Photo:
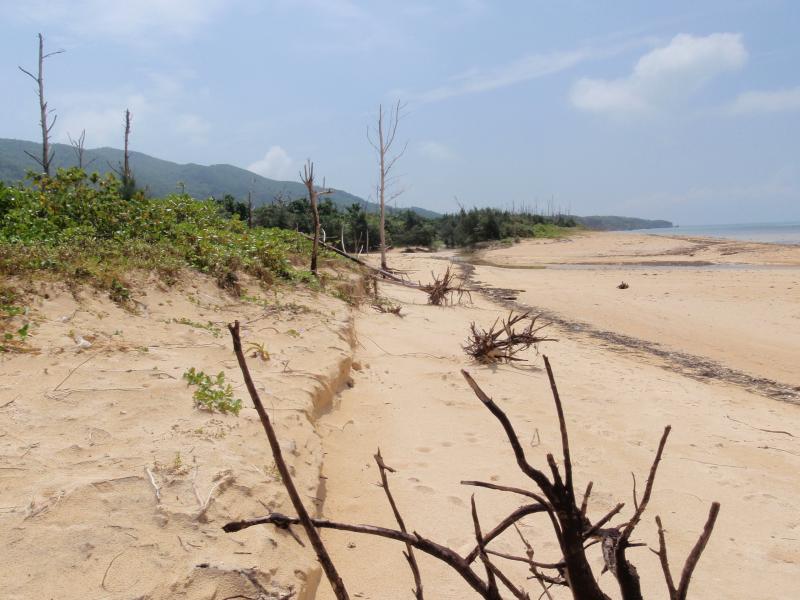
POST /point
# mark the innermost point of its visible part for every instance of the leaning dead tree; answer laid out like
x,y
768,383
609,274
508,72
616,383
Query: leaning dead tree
x,y
502,343
383,142
44,113
484,569
447,288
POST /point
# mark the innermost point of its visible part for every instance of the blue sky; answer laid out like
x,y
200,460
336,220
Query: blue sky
x,y
688,111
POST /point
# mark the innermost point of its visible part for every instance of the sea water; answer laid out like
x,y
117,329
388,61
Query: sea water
x,y
774,233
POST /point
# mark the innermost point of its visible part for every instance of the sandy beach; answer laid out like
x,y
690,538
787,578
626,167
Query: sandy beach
x,y
87,435
410,400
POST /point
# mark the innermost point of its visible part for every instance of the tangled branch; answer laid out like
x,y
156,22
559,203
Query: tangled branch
x,y
445,288
501,344
552,495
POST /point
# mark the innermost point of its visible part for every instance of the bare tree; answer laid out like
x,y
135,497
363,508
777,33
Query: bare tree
x,y
307,177
44,113
78,145
383,143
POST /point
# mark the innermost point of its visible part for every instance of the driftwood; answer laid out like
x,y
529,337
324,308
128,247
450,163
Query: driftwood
x,y
388,275
554,496
443,289
501,344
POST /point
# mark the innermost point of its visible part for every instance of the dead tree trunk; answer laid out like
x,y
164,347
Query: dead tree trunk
x,y
307,177
127,178
47,155
386,134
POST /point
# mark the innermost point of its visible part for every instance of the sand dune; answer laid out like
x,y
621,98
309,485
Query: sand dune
x,y
81,428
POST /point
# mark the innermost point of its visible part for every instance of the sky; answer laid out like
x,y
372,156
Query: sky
x,y
688,111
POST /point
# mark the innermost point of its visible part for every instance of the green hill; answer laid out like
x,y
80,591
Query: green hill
x,y
162,177
614,223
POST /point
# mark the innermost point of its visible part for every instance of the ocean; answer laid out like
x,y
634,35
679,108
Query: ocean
x,y
774,233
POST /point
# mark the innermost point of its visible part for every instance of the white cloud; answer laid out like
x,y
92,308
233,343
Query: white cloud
x,y
157,107
435,151
131,21
524,69
766,102
276,164
663,76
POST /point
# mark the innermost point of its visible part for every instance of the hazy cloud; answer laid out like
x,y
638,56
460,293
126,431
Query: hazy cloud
x,y
483,80
663,76
193,126
131,21
102,116
766,102
435,151
276,164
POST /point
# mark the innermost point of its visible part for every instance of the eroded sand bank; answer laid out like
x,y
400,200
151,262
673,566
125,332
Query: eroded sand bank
x,y
83,431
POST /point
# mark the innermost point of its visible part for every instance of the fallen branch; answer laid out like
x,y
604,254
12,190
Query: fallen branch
x,y
554,495
316,542
409,553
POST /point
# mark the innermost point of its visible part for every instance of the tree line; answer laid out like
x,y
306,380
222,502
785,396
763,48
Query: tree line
x,y
355,230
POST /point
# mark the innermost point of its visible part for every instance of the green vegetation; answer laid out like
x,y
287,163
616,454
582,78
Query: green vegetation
x,y
404,227
213,393
12,333
81,228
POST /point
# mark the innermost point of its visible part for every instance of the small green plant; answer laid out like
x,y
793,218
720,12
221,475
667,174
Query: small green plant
x,y
258,350
22,332
213,393
118,292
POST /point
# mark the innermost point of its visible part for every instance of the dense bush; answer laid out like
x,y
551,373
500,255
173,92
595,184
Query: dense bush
x,y
82,226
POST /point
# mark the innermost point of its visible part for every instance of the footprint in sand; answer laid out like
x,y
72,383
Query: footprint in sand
x,y
423,449
455,500
447,444
424,489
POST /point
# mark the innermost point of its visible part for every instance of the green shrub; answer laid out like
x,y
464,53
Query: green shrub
x,y
82,227
213,393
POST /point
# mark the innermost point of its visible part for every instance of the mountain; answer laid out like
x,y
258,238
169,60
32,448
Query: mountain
x,y
162,177
613,223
